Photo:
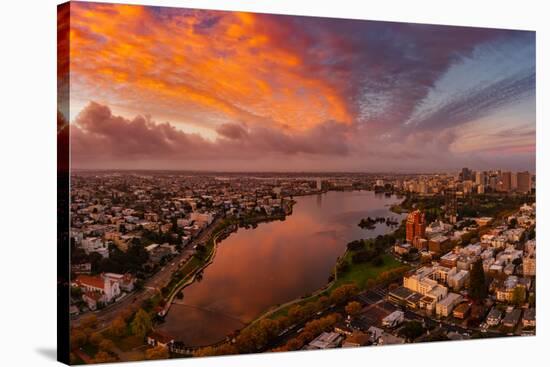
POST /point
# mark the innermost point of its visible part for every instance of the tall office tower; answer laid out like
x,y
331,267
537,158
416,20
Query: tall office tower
x,y
493,182
524,182
481,189
506,178
466,174
481,178
451,210
416,226
514,181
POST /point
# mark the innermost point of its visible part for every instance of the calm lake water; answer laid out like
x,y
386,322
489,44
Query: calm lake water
x,y
255,269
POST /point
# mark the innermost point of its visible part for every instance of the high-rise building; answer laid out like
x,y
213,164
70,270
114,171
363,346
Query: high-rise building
x,y
514,181
466,174
451,210
493,182
524,182
415,226
506,178
467,187
481,189
481,178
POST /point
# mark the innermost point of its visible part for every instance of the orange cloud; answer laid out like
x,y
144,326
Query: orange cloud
x,y
207,67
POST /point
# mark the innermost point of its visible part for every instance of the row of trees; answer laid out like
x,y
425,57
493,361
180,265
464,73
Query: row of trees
x,y
118,261
311,330
411,330
87,334
363,251
129,323
260,335
491,205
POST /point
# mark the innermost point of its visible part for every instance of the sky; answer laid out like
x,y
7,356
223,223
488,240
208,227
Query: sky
x,y
172,88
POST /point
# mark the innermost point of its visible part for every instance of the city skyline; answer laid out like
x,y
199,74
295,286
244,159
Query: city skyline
x,y
178,89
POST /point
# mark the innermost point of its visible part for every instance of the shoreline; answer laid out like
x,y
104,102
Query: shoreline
x,y
303,299
190,278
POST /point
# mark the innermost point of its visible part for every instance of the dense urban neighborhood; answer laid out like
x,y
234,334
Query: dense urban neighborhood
x,y
461,264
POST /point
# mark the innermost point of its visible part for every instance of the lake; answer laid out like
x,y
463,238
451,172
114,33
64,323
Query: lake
x,y
257,268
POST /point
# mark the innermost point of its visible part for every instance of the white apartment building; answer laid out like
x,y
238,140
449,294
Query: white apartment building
x,y
444,307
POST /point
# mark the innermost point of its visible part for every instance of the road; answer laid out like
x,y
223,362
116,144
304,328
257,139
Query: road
x,y
151,285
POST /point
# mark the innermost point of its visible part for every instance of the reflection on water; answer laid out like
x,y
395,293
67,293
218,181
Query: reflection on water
x,y
257,268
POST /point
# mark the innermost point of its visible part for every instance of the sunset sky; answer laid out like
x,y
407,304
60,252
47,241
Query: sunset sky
x,y
170,88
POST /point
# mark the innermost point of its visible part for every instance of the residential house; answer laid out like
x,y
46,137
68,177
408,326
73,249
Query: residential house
x,y
529,318
494,317
325,341
511,319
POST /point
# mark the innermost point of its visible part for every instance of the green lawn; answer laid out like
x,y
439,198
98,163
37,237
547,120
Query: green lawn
x,y
357,273
361,273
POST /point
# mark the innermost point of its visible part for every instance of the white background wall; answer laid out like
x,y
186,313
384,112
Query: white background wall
x,y
28,181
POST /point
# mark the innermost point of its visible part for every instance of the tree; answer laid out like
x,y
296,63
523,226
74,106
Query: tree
x,y
205,352
342,267
226,349
270,327
478,288
118,326
518,296
96,338
76,292
103,357
247,341
95,258
107,345
89,321
73,358
141,324
322,303
78,338
363,256
378,261
127,313
370,283
353,308
411,330
294,344
343,293
158,352
356,245
295,313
